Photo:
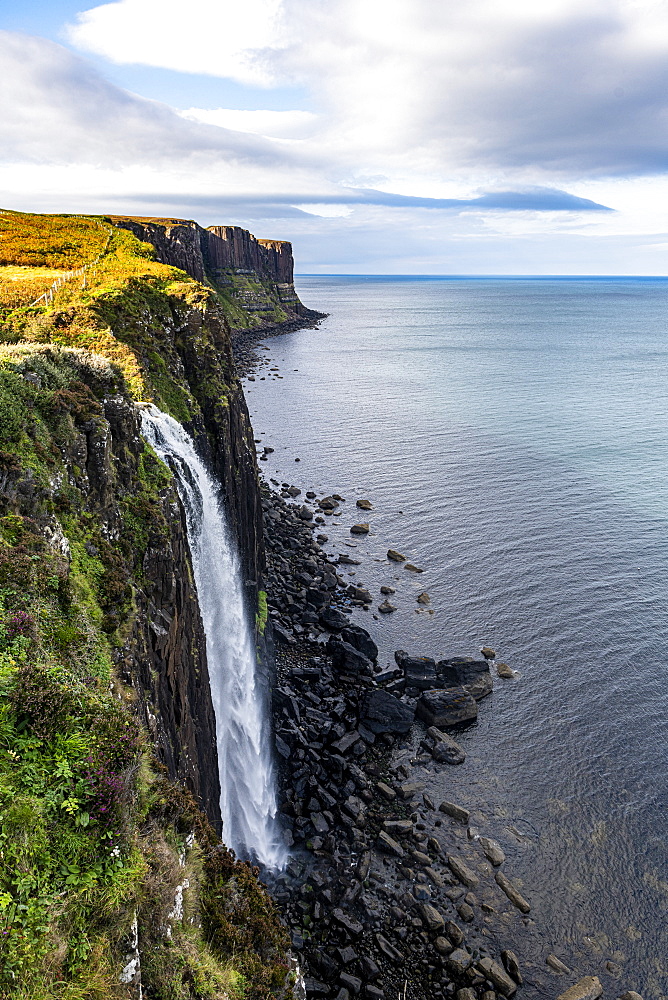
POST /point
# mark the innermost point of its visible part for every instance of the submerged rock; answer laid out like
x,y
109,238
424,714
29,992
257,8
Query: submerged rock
x,y
588,988
395,556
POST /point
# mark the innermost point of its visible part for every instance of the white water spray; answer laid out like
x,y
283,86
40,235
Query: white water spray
x,y
248,797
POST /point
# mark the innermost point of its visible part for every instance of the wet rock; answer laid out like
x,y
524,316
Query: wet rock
x,y
385,790
351,983
410,788
443,946
369,968
395,556
457,812
446,707
614,969
462,872
493,851
431,918
512,893
412,568
465,994
454,932
314,988
446,750
388,949
389,845
361,640
384,713
360,529
423,598
348,659
630,995
488,653
353,928
365,505
557,965
504,671
360,594
588,988
465,911
333,620
398,825
305,513
459,961
492,971
473,675
386,608
387,590
512,965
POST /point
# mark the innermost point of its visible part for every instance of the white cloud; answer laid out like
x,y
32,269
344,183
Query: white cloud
x,y
273,124
219,37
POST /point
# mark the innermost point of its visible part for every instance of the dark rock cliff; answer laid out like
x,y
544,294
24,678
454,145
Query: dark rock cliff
x,y
255,277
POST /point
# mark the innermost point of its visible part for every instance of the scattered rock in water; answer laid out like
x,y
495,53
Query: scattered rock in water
x,y
557,965
504,671
446,707
496,975
588,988
492,851
389,845
395,556
333,619
423,598
488,653
386,608
512,965
360,594
365,505
412,568
445,749
359,529
511,892
462,872
387,590
457,812
630,995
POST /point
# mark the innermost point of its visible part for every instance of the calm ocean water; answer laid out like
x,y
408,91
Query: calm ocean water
x,y
513,438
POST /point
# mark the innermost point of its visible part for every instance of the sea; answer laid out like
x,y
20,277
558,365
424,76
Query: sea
x,y
512,437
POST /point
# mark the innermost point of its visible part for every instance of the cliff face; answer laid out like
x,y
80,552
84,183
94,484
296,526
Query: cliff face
x,y
253,278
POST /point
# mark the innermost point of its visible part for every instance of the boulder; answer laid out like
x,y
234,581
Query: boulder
x,y
384,713
493,851
395,556
365,505
388,590
462,872
459,961
423,598
359,529
511,892
492,971
446,707
457,812
557,965
504,671
386,608
412,568
333,620
588,988
510,960
446,750
431,918
389,844
488,653
360,639
473,675
348,659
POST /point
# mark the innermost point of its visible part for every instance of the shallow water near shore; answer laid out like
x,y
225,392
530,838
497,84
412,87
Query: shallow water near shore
x,y
512,436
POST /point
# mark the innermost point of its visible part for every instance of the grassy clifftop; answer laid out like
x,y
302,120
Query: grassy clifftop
x,y
110,874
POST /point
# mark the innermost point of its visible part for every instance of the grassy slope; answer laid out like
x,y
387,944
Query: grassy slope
x,y
91,833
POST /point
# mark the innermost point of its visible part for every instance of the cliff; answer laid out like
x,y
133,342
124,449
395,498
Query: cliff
x,y
109,785
253,279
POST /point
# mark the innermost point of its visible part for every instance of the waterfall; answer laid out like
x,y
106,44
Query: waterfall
x,y
248,798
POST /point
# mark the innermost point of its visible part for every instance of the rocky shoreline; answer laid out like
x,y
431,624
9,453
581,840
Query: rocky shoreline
x,y
388,892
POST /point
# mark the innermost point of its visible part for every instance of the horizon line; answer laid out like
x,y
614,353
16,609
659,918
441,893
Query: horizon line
x,y
482,277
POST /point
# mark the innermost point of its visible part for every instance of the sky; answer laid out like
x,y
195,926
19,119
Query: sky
x,y
393,137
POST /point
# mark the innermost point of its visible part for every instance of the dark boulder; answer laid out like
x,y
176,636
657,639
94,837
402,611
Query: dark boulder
x,y
386,714
334,620
348,659
361,640
473,675
446,707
